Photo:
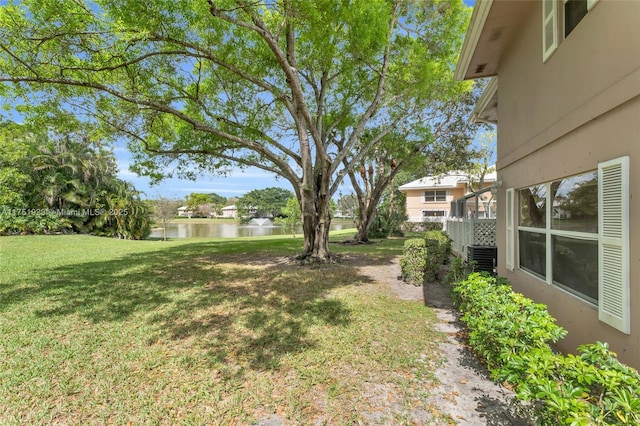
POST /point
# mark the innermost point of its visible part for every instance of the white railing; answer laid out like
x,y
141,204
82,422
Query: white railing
x,y
466,232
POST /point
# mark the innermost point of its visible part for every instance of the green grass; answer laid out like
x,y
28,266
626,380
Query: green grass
x,y
101,331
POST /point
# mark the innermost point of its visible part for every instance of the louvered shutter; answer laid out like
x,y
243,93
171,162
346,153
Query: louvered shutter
x,y
549,28
510,243
613,243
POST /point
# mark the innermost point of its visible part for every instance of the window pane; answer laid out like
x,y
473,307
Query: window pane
x,y
575,203
533,251
433,213
435,195
575,266
574,11
533,210
548,35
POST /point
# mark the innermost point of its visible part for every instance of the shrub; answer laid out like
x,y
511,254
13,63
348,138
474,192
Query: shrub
x,y
438,250
386,224
503,323
513,335
413,261
457,271
422,257
407,226
23,221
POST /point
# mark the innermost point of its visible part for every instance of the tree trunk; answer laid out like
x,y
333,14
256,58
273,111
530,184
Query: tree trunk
x,y
316,218
363,227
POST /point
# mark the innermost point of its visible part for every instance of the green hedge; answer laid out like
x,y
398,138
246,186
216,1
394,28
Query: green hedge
x,y
438,251
407,226
41,223
413,261
513,335
422,257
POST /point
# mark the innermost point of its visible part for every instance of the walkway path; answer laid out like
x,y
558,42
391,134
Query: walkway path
x,y
466,392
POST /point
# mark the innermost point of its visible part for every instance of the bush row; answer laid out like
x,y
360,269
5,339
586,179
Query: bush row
x,y
407,226
45,223
513,335
422,257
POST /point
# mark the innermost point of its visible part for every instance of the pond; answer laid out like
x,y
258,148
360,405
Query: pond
x,y
217,229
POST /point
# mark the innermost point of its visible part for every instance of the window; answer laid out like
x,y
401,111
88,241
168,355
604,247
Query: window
x,y
574,11
433,213
433,196
558,233
574,233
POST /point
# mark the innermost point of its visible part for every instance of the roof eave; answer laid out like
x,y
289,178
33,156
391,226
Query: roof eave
x,y
476,25
485,110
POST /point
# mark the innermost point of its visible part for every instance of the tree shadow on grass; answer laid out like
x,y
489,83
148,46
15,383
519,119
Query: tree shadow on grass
x,y
211,298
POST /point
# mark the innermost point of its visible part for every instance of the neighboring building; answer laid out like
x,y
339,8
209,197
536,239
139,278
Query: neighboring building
x,y
429,198
184,211
565,95
230,211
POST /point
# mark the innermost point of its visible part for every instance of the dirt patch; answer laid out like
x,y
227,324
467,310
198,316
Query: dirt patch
x,y
466,393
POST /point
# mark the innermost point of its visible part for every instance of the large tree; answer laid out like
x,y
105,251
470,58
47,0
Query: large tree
x,y
289,87
439,144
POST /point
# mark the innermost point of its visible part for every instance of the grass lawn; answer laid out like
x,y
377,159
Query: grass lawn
x,y
99,331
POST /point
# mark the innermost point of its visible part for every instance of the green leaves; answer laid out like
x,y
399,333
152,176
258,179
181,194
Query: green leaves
x,y
289,87
413,262
50,182
268,202
513,335
422,257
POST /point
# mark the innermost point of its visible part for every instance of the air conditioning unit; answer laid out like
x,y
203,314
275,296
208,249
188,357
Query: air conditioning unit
x,y
482,258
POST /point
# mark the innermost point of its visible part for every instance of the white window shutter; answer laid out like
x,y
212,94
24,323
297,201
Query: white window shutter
x,y
510,235
613,243
590,4
549,28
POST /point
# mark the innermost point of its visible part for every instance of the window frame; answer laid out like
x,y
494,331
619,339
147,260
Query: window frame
x,y
549,18
435,195
613,304
549,233
510,229
444,213
552,16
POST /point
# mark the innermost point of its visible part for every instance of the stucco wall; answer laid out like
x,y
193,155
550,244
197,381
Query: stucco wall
x,y
560,119
416,204
592,71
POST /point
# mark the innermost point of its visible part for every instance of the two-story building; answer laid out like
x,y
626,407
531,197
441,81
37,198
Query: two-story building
x,y
429,198
565,95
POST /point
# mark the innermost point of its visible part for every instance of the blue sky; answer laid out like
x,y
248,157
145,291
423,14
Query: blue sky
x,y
234,185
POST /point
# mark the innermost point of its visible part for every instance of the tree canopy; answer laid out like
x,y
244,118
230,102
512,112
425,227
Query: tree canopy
x,y
303,89
268,202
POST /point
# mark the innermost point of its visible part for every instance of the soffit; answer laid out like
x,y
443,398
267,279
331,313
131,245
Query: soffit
x,y
492,27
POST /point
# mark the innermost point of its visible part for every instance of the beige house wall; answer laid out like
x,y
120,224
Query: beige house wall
x,y
594,69
416,204
562,118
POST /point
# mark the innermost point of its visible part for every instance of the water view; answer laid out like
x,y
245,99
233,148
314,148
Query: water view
x,y
217,229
